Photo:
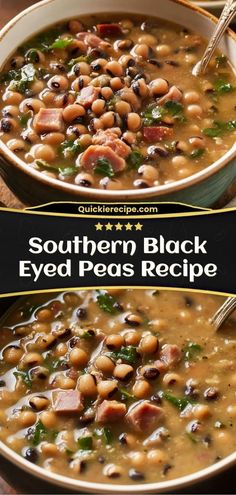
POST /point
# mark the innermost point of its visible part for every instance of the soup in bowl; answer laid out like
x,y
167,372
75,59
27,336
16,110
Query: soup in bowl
x,y
110,108
122,386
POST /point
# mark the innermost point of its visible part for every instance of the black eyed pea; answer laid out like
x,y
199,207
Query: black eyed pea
x,y
114,341
125,44
107,388
85,140
63,99
194,111
170,379
84,180
76,130
197,142
64,382
141,50
44,314
16,145
75,26
163,50
49,419
140,88
98,106
17,62
72,112
53,138
105,364
78,358
149,344
99,64
7,125
58,83
39,373
107,93
123,372
130,137
12,97
127,61
141,389
132,337
26,418
133,122
114,69
12,354
87,385
32,359
46,341
123,108
112,471
108,120
31,104
148,173
116,83
97,124
80,83
133,319
10,111
110,184
43,152
191,97
49,449
150,372
159,87
37,87
147,39
47,97
39,402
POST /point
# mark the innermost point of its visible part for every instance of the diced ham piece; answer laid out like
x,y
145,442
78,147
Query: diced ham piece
x,y
157,134
162,368
87,96
144,416
89,39
110,138
174,94
49,120
109,29
67,402
170,354
90,157
110,411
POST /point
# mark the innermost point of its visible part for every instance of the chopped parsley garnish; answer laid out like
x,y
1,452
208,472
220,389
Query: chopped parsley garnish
x,y
134,160
70,147
105,434
39,433
221,61
83,58
42,41
128,354
68,171
191,351
175,109
23,78
126,395
155,114
222,87
107,303
220,128
85,443
104,167
197,153
61,43
180,403
24,375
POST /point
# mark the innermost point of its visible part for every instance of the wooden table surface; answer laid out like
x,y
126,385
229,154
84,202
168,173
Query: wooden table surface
x,y
14,481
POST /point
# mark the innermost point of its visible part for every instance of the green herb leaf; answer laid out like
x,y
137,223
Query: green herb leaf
x,y
39,433
24,119
154,115
61,43
221,60
175,109
220,128
24,375
135,160
221,87
70,147
191,351
126,394
68,171
28,74
10,76
179,403
105,434
192,437
128,354
85,443
83,58
197,153
104,167
42,41
107,303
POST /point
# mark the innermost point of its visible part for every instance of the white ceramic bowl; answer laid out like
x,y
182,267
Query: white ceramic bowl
x,y
202,189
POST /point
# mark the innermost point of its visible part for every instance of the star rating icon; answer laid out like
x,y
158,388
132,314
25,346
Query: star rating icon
x,y
119,227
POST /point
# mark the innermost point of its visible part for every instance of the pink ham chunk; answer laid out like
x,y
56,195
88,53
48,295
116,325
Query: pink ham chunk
x,y
110,138
170,355
87,96
156,134
67,402
110,411
49,120
89,39
144,417
174,94
89,159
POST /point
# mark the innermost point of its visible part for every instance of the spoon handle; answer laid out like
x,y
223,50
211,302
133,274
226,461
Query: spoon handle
x,y
224,312
226,17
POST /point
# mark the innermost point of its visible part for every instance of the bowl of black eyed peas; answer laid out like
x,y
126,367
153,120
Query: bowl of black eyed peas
x,y
117,390
104,105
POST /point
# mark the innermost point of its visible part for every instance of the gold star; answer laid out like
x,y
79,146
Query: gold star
x,y
98,226
118,226
128,226
109,226
138,226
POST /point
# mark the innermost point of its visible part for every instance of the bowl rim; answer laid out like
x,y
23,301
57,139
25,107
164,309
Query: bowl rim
x,y
109,195
214,4
108,488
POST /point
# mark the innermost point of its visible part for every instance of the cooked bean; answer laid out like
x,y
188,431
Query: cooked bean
x,y
105,364
78,357
149,344
123,372
114,341
141,389
107,388
87,385
58,83
133,122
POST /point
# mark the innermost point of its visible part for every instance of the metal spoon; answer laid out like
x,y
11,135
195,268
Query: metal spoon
x,y
223,312
226,17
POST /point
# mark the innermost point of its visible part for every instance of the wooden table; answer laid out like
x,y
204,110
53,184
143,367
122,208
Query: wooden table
x,y
14,481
